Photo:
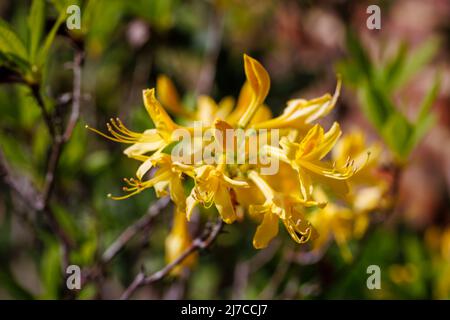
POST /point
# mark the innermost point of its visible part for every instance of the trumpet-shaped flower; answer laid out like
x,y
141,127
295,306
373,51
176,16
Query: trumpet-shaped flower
x,y
305,158
213,186
178,241
278,206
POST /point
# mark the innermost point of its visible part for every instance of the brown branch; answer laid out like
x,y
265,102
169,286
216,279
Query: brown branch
x,y
213,43
143,223
34,199
61,140
19,184
36,91
200,243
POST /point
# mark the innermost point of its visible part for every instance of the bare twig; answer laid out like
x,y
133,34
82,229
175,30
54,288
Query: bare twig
x,y
36,91
132,230
19,184
200,243
39,201
61,140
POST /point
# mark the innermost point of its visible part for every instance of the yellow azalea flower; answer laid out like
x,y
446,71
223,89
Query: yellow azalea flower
x,y
437,240
305,158
366,158
259,82
166,176
168,95
367,191
238,188
300,114
279,206
332,222
178,241
213,186
142,143
208,111
162,121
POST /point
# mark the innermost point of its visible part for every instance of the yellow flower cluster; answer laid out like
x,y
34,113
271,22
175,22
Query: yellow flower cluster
x,y
313,163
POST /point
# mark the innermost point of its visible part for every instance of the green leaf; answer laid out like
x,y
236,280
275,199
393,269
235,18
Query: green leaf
x,y
414,63
15,64
358,54
396,133
67,221
50,271
61,5
394,67
427,102
43,52
10,43
35,21
425,119
350,73
376,105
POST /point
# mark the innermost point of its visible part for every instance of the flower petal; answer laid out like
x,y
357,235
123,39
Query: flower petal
x,y
266,231
163,122
223,204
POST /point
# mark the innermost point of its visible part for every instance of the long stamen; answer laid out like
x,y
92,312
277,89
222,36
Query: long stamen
x,y
119,133
102,134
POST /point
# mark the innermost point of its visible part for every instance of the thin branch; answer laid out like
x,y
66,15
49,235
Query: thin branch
x,y
135,228
61,140
36,91
19,184
34,199
200,243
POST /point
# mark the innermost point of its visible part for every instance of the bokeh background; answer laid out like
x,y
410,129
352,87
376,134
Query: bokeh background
x,y
199,44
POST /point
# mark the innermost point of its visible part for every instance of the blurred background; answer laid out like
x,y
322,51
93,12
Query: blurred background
x,y
123,46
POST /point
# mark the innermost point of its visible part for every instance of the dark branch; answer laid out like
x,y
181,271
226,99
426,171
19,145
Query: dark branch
x,y
142,224
200,243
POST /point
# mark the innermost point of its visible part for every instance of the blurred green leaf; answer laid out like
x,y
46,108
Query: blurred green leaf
x,y
425,119
376,105
393,69
36,22
413,63
43,52
67,221
358,54
10,43
96,161
87,292
51,271
396,133
427,102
